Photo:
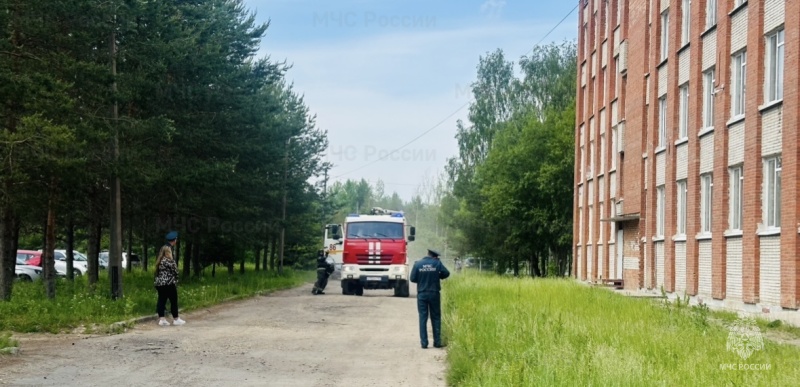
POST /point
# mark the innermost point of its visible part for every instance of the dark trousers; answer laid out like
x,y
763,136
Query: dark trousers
x,y
167,292
322,279
429,303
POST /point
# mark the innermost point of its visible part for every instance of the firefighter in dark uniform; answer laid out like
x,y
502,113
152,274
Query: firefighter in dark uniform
x,y
324,270
427,273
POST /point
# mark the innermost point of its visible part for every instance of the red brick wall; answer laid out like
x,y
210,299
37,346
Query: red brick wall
x,y
790,221
753,166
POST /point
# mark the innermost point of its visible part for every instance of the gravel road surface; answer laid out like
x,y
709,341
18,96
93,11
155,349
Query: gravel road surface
x,y
287,338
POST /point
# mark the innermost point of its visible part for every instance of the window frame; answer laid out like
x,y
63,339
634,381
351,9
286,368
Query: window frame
x,y
711,13
683,111
736,211
662,122
739,90
660,211
706,202
681,194
772,191
774,63
686,21
709,78
665,35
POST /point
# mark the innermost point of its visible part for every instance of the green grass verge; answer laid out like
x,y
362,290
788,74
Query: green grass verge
x,y
523,332
75,306
6,341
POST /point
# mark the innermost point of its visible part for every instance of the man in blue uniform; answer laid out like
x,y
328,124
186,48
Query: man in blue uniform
x,y
426,274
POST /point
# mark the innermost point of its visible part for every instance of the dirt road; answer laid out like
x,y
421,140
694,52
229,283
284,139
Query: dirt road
x,y
288,338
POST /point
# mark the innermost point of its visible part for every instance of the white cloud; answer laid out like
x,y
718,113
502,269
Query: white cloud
x,y
493,8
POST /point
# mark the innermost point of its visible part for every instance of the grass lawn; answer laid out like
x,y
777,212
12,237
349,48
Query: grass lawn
x,y
74,306
524,332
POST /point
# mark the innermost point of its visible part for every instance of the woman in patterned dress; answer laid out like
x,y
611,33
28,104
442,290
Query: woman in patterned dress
x,y
166,282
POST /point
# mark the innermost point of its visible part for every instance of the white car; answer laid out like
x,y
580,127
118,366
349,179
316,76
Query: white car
x,y
25,272
135,261
80,264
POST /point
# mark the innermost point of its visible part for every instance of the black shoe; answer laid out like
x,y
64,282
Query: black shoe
x,y
320,292
439,345
424,347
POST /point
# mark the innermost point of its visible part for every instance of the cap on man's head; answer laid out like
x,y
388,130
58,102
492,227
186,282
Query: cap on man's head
x,y
172,235
433,253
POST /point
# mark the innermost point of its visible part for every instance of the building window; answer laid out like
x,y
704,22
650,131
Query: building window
x,y
772,192
664,35
739,77
737,3
711,13
681,207
683,126
735,217
706,186
660,200
686,8
708,98
662,122
774,63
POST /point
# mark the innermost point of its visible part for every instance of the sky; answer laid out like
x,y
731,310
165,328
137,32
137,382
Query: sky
x,y
379,73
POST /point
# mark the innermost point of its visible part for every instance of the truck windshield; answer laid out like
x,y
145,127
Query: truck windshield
x,y
375,230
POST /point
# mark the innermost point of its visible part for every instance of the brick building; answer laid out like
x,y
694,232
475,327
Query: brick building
x,y
686,170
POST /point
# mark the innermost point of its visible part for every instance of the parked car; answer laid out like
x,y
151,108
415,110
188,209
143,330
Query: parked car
x,y
34,258
135,261
79,261
25,272
103,259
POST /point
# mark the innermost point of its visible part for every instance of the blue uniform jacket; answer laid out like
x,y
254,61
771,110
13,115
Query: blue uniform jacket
x,y
426,274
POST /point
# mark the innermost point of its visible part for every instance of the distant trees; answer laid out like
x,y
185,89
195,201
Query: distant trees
x,y
169,97
510,196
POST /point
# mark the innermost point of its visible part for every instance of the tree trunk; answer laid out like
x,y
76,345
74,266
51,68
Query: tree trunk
x,y
273,252
144,245
8,251
70,248
214,269
258,257
93,250
49,264
187,258
196,259
229,261
516,266
241,263
129,263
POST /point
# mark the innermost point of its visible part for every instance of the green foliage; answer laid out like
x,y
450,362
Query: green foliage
x,y
76,307
6,341
510,197
211,138
524,332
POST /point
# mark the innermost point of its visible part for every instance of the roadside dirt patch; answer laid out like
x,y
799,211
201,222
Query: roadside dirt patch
x,y
288,338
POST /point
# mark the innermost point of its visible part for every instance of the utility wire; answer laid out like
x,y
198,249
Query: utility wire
x,y
457,110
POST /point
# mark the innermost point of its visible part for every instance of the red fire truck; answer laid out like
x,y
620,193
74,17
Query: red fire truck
x,y
375,254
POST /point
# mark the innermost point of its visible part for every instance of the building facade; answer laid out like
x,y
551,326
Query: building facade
x,y
686,169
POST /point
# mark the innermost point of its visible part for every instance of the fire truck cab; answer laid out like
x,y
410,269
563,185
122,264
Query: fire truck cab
x,y
374,252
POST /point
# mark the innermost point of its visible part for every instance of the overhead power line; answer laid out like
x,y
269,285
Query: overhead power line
x,y
456,111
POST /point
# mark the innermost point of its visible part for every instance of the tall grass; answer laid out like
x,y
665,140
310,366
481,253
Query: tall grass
x,y
75,306
523,332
